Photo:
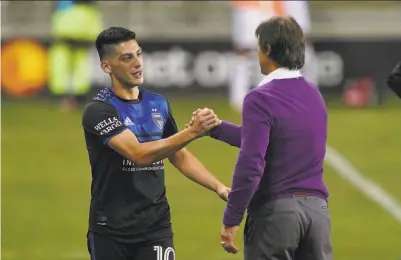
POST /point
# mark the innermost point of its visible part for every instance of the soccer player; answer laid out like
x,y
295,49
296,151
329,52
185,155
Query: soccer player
x,y
278,176
128,132
394,80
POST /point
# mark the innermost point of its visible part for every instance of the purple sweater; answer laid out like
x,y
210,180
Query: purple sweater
x,y
282,144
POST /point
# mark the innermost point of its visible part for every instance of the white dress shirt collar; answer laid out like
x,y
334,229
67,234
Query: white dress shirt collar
x,y
280,73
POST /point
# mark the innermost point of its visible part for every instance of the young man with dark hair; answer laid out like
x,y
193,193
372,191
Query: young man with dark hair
x,y
278,176
129,131
394,80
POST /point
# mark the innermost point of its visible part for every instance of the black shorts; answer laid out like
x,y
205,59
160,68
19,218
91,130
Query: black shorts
x,y
102,247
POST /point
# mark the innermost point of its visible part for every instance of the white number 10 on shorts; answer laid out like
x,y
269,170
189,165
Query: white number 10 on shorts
x,y
169,253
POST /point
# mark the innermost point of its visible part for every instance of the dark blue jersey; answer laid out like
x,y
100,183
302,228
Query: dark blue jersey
x,y
128,200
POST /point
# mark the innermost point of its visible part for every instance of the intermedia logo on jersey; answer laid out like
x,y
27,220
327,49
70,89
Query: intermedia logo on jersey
x,y
157,118
130,166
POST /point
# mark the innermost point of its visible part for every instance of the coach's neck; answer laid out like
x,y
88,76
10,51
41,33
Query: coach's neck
x,y
269,68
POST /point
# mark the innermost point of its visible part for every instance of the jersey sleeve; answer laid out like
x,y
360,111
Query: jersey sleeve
x,y
102,120
171,126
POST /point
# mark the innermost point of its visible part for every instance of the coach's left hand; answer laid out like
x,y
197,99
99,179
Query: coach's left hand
x,y
227,236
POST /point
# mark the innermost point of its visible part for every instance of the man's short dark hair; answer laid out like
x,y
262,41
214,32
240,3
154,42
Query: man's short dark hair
x,y
286,40
111,36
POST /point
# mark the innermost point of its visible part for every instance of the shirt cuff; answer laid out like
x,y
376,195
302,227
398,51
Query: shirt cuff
x,y
232,218
215,132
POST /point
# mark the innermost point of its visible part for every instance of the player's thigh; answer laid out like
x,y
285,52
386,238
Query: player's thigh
x,y
161,249
273,232
103,247
316,244
244,24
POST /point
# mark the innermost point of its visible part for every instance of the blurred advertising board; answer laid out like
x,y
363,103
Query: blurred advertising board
x,y
194,67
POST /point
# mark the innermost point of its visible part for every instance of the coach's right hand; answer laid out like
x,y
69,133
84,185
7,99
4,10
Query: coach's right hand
x,y
195,113
203,121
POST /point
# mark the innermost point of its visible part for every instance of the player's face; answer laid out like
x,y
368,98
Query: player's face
x,y
126,65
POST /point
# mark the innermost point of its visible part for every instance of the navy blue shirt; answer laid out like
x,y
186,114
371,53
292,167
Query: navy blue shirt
x,y
128,201
282,143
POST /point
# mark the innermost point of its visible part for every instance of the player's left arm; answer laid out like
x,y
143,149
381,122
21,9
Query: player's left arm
x,y
190,166
194,170
255,133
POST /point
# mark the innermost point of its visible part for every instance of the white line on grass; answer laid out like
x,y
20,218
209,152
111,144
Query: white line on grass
x,y
76,255
344,168
369,188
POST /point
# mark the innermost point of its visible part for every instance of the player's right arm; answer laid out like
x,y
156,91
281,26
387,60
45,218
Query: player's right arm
x,y
102,119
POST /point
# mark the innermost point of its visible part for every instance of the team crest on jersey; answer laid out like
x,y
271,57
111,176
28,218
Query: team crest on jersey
x,y
158,119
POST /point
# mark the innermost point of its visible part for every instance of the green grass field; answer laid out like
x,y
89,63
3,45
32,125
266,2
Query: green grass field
x,y
46,183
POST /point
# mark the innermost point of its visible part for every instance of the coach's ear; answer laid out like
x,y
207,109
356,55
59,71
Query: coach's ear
x,y
105,67
268,50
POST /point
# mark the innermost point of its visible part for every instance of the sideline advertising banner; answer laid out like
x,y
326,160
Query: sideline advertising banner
x,y
194,67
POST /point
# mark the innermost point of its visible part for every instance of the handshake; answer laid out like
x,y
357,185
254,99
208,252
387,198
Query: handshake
x,y
203,120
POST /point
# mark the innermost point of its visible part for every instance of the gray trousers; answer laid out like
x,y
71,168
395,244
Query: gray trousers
x,y
289,229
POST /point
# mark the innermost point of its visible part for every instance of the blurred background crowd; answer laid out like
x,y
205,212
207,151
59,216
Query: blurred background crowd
x,y
49,66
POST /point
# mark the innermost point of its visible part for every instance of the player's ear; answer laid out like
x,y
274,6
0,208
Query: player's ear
x,y
105,67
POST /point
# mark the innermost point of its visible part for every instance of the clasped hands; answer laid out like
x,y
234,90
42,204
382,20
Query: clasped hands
x,y
203,120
